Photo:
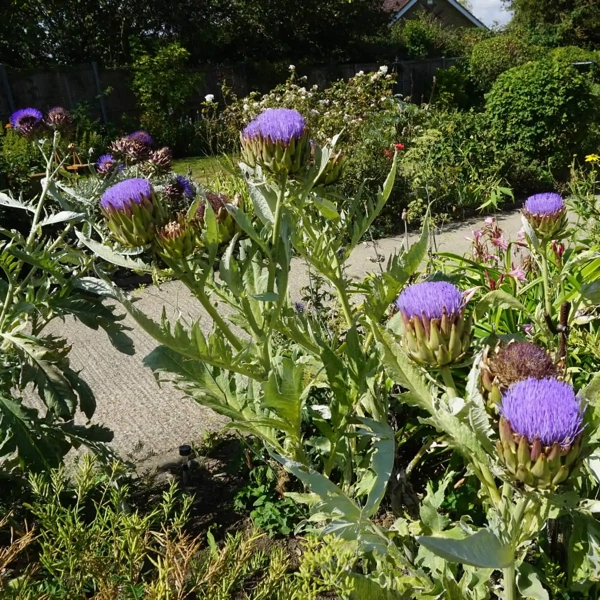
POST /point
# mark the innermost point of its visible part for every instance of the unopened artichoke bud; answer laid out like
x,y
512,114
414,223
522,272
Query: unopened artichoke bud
x,y
107,164
60,119
541,427
130,211
27,121
436,332
160,161
177,239
511,363
277,140
225,222
333,170
547,215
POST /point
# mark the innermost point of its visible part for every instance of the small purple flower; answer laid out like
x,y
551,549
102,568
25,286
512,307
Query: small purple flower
x,y
122,195
276,125
26,120
300,307
186,187
430,299
143,137
543,408
544,204
106,164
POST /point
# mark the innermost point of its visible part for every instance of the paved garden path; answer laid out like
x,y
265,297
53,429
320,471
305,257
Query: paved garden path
x,y
149,420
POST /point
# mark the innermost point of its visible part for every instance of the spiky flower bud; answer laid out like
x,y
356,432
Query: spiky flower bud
x,y
277,140
130,151
436,332
511,363
160,161
27,121
130,211
107,164
225,222
60,119
541,427
177,239
547,215
333,170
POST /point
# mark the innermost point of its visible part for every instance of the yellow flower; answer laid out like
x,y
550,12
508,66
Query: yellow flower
x,y
592,158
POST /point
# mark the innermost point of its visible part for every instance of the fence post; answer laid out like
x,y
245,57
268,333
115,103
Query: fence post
x,y
100,93
6,86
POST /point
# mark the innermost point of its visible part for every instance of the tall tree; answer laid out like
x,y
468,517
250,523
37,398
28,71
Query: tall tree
x,y
559,22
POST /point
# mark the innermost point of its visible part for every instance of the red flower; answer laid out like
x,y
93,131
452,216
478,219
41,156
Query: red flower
x,y
399,146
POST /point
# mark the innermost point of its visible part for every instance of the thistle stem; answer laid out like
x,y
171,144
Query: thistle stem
x,y
449,382
546,280
510,574
216,317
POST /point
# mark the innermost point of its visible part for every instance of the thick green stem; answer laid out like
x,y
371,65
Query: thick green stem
x,y
343,298
546,280
510,588
216,317
449,382
276,229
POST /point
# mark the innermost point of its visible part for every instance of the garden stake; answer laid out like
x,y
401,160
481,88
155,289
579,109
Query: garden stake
x,y
185,452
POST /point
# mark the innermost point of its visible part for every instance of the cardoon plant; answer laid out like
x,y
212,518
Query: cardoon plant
x,y
436,332
131,211
541,426
141,136
277,140
59,119
547,215
26,121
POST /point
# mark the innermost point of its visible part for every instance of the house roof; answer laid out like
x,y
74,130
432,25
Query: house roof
x,y
403,6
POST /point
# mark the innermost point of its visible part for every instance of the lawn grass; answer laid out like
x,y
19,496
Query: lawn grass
x,y
203,168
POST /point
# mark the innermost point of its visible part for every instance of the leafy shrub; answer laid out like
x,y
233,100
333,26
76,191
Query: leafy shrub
x,y
495,55
544,113
452,161
571,54
453,88
426,37
19,160
163,88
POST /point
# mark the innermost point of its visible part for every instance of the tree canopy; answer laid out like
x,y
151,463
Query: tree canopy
x,y
34,32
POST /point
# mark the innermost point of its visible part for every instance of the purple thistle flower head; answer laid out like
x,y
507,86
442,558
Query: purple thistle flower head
x,y
26,120
429,299
543,408
106,163
544,204
122,195
276,125
186,187
143,137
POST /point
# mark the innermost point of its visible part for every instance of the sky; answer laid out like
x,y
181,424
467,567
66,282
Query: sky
x,y
489,11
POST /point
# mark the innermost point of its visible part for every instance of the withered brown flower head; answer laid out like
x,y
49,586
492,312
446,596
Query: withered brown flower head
x,y
522,360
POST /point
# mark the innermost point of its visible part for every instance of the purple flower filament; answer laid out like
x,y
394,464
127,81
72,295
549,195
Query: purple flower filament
x,y
544,204
25,118
122,195
143,137
546,409
186,187
431,300
276,125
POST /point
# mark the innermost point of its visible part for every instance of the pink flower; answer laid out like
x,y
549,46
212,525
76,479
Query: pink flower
x,y
521,239
517,273
477,235
490,221
399,146
491,257
500,242
528,329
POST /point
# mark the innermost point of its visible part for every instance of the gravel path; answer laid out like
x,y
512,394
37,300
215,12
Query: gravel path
x,y
151,421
